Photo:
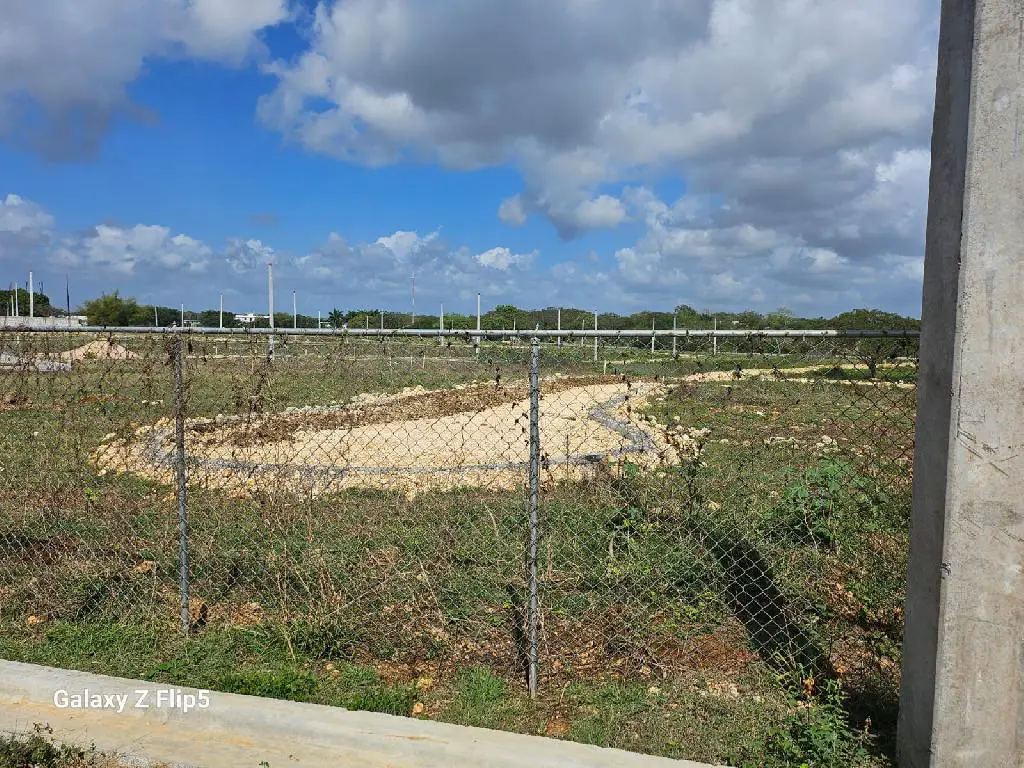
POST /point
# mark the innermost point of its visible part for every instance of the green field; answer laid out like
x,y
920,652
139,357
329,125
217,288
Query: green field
x,y
744,605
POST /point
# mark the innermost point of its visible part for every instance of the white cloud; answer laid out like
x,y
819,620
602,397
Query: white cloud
x,y
799,128
24,228
23,217
602,212
512,211
126,251
245,255
502,258
65,64
405,245
704,265
585,94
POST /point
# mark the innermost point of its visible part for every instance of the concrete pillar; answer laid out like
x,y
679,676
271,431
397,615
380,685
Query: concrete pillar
x,y
962,697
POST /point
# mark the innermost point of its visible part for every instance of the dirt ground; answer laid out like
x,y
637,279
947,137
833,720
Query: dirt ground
x,y
98,350
470,436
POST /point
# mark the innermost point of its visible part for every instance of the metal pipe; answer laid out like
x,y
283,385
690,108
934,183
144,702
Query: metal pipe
x,y
897,333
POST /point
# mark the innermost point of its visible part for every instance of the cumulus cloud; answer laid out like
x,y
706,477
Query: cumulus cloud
x,y
736,266
125,251
25,231
156,264
590,92
22,217
799,128
512,211
794,124
65,64
503,259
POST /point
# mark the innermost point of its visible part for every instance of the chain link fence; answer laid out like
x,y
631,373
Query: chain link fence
x,y
553,506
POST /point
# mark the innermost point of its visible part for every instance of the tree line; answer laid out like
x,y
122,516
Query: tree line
x,y
114,310
17,301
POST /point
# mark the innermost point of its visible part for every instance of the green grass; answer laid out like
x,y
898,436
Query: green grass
x,y
683,609
39,750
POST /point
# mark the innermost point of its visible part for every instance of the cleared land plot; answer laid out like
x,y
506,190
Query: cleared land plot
x,y
675,592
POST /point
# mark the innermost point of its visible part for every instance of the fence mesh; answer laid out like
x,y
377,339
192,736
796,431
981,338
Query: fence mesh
x,y
700,501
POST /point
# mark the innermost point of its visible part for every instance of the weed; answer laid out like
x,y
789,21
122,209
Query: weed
x,y
815,734
275,684
39,750
827,496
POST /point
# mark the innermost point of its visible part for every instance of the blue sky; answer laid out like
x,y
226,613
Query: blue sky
x,y
621,161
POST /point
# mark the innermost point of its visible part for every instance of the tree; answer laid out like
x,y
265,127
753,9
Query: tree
x,y
111,309
40,303
783,317
871,351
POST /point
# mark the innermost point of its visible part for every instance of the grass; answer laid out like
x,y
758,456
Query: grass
x,y
39,750
744,606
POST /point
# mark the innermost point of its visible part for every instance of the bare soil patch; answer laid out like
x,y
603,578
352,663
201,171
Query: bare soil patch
x,y
476,435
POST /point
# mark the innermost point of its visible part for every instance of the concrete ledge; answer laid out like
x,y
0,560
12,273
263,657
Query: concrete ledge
x,y
235,730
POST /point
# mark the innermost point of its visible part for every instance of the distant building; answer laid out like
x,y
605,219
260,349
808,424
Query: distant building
x,y
248,318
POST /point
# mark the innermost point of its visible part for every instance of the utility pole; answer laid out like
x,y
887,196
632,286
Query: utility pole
x,y
295,311
595,337
31,298
182,315
412,321
221,325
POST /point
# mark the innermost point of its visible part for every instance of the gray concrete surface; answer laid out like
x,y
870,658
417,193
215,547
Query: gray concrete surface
x,y
23,322
236,730
962,697
11,361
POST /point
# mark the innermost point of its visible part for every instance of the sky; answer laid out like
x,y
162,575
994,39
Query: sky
x,y
608,155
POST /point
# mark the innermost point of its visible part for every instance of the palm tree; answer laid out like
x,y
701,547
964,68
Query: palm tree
x,y
336,318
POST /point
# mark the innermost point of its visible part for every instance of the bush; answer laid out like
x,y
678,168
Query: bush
x,y
815,734
827,497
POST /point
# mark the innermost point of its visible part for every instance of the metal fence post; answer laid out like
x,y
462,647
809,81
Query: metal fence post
x,y
179,468
534,500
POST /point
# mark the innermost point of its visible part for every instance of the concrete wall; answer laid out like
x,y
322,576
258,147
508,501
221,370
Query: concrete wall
x,y
962,698
72,321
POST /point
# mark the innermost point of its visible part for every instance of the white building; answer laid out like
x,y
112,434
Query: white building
x,y
248,318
